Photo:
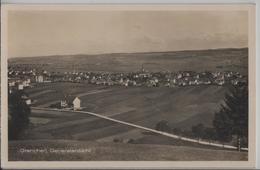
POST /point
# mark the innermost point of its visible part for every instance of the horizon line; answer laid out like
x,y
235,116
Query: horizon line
x,y
144,52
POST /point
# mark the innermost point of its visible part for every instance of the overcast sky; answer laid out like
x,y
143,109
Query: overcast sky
x,y
40,33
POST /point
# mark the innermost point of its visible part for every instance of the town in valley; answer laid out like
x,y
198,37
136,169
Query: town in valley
x,y
28,78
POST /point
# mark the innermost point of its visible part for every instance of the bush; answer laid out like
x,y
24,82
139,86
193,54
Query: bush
x,y
132,141
198,130
116,140
163,126
56,105
177,131
209,133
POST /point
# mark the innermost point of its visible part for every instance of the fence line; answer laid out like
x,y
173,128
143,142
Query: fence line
x,y
145,128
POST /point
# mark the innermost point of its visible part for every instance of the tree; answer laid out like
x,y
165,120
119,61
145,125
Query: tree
x,y
18,115
177,131
198,130
163,126
209,134
232,119
131,141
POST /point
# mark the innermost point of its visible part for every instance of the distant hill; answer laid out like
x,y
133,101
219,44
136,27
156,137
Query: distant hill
x,y
230,59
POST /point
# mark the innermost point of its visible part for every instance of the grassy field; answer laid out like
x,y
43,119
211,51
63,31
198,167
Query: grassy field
x,y
182,107
199,60
95,151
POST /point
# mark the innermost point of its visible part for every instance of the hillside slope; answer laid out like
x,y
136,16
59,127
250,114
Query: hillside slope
x,y
199,60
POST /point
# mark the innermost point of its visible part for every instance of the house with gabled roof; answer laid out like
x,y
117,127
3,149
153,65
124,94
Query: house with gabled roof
x,y
76,103
70,101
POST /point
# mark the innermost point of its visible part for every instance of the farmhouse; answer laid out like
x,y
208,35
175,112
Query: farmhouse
x,y
71,102
76,104
63,103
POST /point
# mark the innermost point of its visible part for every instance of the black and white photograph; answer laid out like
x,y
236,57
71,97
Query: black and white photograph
x,y
129,83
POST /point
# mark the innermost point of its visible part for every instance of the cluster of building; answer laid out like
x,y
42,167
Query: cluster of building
x,y
18,80
21,79
158,79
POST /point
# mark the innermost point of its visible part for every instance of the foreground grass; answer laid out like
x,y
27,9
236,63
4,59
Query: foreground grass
x,y
66,150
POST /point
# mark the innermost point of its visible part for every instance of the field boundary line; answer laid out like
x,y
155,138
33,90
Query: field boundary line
x,y
147,129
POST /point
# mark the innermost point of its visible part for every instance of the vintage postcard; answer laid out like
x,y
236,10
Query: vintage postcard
x,y
128,86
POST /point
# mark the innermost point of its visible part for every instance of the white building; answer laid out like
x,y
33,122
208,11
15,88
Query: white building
x,y
39,79
20,86
12,84
63,103
28,101
76,104
26,83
